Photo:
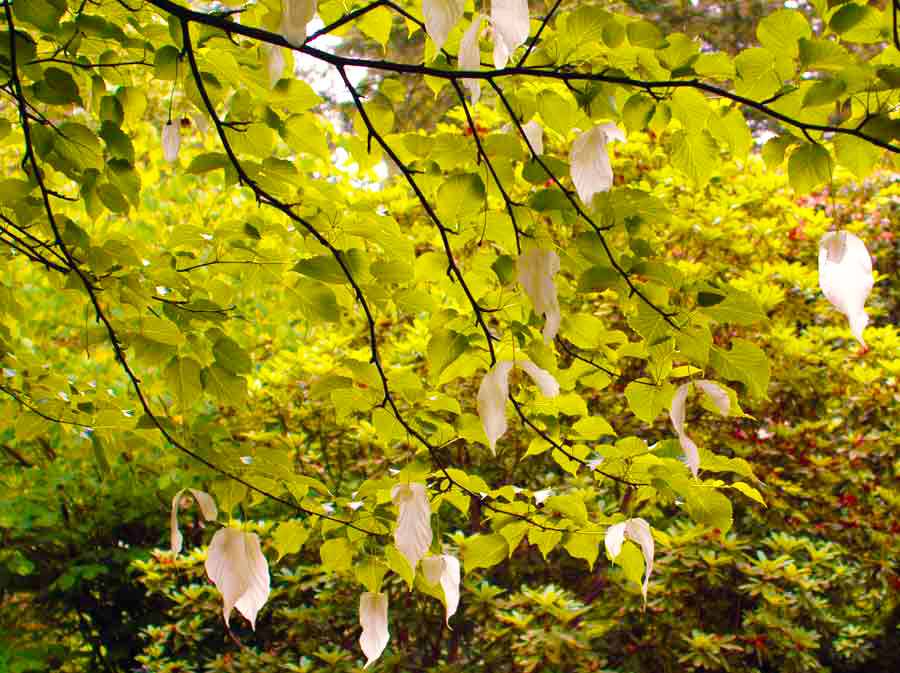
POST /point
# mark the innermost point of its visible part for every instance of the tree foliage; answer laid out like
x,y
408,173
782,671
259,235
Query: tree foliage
x,y
517,332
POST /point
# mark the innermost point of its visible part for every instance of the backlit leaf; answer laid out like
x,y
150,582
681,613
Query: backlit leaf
x,y
484,551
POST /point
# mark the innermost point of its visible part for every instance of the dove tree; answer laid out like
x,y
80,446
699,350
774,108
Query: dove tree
x,y
426,264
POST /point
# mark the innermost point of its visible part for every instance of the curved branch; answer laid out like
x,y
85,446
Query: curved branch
x,y
335,60
203,265
24,249
33,409
453,268
482,155
356,13
91,291
265,198
895,18
36,242
561,446
632,288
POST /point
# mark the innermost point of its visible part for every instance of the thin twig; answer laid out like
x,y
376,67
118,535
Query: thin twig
x,y
482,155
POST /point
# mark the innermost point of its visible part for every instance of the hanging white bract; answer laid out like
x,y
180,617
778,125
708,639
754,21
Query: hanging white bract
x,y
536,271
200,121
845,276
444,569
636,530
494,391
470,57
275,63
236,565
535,135
589,161
510,25
374,623
717,394
295,14
207,509
720,399
440,17
171,140
413,533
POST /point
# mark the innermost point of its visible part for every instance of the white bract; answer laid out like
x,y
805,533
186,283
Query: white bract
x,y
171,141
536,271
374,623
717,394
494,391
201,122
544,379
676,413
510,25
236,565
470,57
589,161
636,530
440,17
543,494
719,397
492,395
501,53
413,533
845,276
275,64
207,509
295,14
535,135
444,569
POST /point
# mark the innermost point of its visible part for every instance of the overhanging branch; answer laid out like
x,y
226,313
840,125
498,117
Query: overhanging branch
x,y
185,13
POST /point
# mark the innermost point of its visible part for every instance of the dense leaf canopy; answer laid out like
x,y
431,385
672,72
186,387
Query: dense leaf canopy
x,y
528,324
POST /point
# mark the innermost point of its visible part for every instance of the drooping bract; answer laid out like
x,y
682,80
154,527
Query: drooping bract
x,y
494,391
845,276
637,530
295,14
236,565
373,620
275,64
589,161
717,394
510,25
444,569
536,270
492,395
535,135
720,399
171,141
413,533
470,57
207,509
440,17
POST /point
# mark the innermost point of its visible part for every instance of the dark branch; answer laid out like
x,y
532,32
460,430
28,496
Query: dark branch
x,y
633,289
17,396
482,156
91,291
222,23
453,268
